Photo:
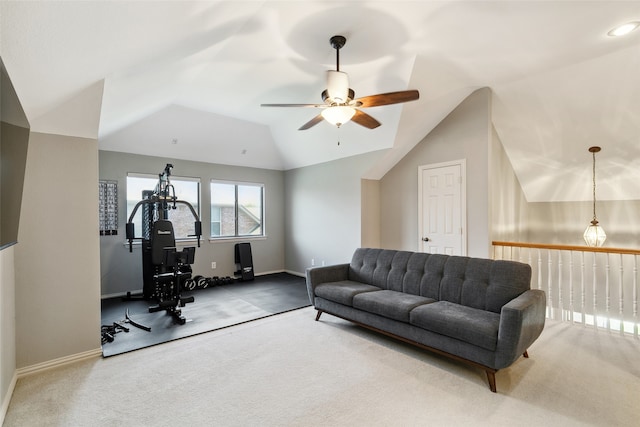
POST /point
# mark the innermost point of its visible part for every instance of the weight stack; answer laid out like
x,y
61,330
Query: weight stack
x,y
244,261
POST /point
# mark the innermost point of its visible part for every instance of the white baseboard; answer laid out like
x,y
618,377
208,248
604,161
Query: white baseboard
x,y
7,398
55,363
295,273
265,273
121,294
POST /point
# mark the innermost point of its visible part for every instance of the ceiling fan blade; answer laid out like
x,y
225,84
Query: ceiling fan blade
x,y
317,119
387,98
295,105
363,119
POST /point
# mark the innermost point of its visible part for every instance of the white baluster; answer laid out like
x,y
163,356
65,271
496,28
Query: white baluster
x,y
560,301
550,285
635,296
621,291
539,270
583,298
595,294
571,307
530,258
607,295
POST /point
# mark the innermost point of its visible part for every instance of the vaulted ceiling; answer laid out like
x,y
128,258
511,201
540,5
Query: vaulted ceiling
x,y
185,79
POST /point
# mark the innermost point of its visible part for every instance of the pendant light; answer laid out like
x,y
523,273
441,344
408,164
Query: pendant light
x,y
594,235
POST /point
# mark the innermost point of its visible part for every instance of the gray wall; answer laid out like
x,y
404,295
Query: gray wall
x,y
121,271
57,287
463,134
323,211
14,141
370,213
565,222
7,323
509,210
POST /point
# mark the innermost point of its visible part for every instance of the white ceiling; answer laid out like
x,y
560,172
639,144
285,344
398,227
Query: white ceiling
x,y
186,79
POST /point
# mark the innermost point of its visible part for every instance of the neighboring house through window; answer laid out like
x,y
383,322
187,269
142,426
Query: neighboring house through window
x,y
237,209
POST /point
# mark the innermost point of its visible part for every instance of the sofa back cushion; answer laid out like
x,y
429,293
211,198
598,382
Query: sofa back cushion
x,y
474,282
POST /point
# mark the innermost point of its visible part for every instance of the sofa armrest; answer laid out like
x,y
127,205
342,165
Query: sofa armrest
x,y
521,323
318,275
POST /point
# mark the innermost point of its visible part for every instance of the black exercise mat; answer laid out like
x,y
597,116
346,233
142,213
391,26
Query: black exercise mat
x,y
214,308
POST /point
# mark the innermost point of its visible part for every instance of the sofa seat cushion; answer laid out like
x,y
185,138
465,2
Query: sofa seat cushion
x,y
343,291
472,325
391,304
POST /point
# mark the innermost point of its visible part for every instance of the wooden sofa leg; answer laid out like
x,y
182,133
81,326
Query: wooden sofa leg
x,y
525,354
318,315
491,376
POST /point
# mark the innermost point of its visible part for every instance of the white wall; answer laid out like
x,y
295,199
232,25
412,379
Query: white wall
x,y
323,211
463,134
57,258
7,325
121,271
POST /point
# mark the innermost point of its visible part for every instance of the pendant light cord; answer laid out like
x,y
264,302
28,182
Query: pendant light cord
x,y
594,186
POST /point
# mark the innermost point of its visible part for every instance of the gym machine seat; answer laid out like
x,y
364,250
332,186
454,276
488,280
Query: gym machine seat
x,y
170,270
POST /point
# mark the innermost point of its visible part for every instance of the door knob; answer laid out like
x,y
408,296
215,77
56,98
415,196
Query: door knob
x,y
425,239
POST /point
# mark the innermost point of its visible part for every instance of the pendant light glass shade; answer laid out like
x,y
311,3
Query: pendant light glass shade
x,y
594,234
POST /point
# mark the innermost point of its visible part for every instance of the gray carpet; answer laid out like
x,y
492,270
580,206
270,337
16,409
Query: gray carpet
x,y
214,308
288,370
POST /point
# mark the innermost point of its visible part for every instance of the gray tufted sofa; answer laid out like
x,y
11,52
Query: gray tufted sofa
x,y
478,311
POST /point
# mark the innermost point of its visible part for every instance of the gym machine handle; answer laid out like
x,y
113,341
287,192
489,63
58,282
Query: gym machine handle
x,y
130,227
130,234
198,231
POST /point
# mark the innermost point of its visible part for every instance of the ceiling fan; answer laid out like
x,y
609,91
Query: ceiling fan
x,y
340,104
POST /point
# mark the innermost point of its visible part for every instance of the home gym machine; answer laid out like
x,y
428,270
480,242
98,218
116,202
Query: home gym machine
x,y
164,268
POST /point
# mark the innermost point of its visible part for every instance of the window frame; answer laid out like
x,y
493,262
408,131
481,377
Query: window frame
x,y
173,178
236,235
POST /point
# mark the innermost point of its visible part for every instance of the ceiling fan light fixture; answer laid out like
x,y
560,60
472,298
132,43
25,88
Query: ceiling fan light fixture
x,y
338,114
624,29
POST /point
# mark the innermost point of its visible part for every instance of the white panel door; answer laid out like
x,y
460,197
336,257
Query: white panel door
x,y
441,206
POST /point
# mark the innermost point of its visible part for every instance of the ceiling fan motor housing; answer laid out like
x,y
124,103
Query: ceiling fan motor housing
x,y
338,91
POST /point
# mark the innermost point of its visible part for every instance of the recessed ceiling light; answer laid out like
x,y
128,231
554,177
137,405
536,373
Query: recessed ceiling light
x,y
623,29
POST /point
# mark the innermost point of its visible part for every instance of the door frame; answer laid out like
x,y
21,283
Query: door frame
x,y
463,198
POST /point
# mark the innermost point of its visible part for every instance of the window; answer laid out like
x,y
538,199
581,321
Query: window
x,y
237,210
186,189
